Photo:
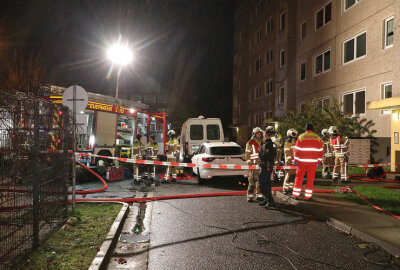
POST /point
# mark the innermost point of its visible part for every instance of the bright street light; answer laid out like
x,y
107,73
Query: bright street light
x,y
120,55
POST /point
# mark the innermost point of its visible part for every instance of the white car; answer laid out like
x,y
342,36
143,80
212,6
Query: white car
x,y
216,153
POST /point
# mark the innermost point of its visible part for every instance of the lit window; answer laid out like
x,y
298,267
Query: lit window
x,y
386,92
302,71
323,16
355,48
282,95
354,103
389,34
282,58
323,62
282,21
303,31
349,3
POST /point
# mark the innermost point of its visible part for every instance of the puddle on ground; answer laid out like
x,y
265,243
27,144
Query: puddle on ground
x,y
136,234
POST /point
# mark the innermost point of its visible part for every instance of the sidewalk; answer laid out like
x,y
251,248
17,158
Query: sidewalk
x,y
362,221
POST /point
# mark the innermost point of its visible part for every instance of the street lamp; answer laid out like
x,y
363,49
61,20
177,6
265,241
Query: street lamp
x,y
120,55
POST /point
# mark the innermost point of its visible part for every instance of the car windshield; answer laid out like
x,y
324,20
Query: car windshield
x,y
225,150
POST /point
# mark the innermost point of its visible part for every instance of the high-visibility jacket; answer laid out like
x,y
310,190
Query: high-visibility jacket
x,y
173,146
153,147
328,150
137,148
252,149
289,150
308,148
340,145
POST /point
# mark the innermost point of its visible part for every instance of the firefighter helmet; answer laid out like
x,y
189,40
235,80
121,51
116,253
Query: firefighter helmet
x,y
171,132
270,129
333,131
256,130
324,132
292,133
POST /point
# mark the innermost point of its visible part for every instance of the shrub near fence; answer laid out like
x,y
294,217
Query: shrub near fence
x,y
35,136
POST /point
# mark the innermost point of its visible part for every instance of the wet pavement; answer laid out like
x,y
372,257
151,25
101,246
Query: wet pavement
x,y
226,233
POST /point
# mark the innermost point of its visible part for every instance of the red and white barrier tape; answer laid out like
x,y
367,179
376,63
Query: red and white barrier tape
x,y
214,166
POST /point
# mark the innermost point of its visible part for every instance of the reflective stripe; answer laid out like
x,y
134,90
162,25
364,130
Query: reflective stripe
x,y
254,149
308,195
309,149
308,190
296,194
307,160
248,150
297,189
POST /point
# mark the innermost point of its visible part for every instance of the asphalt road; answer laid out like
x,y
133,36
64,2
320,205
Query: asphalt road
x,y
230,233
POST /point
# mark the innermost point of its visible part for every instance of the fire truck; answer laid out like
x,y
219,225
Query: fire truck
x,y
108,126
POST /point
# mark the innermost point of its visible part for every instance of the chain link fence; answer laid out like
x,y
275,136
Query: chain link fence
x,y
35,166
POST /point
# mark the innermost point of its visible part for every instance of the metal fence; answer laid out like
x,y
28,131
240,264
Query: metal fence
x,y
35,136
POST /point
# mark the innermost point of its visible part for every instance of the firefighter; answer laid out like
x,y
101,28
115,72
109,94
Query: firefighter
x,y
152,150
327,159
277,140
290,174
252,148
308,153
340,146
172,153
137,154
267,155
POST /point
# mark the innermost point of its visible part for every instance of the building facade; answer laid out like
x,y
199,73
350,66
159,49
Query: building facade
x,y
336,50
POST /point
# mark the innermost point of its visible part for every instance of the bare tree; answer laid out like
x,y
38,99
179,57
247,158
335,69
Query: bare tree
x,y
24,73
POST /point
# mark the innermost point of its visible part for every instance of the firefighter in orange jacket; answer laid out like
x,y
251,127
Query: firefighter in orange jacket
x,y
340,145
308,153
252,159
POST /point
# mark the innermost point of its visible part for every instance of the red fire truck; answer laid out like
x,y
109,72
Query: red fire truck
x,y
110,125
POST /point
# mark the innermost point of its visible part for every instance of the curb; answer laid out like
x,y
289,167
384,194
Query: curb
x,y
102,257
339,225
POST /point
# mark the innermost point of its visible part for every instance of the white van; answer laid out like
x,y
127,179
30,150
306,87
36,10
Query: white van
x,y
196,131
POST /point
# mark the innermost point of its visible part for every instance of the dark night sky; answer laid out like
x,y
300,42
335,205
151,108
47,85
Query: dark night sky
x,y
183,47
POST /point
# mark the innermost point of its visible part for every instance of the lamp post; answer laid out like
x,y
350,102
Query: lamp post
x,y
119,55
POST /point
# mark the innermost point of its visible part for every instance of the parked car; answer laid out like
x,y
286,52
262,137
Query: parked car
x,y
196,131
218,153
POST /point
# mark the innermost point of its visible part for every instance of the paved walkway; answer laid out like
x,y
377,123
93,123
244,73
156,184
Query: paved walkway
x,y
362,221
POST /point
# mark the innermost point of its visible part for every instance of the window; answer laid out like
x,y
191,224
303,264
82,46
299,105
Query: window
x,y
258,64
196,132
323,16
258,92
269,56
355,48
257,119
270,114
213,132
354,103
323,102
282,21
282,58
389,32
258,37
323,62
386,92
303,31
268,87
282,95
302,71
302,107
270,25
349,3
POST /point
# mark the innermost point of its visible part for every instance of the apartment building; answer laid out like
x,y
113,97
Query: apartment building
x,y
264,72
344,50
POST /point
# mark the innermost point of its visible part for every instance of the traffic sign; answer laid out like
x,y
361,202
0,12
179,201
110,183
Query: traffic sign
x,y
81,98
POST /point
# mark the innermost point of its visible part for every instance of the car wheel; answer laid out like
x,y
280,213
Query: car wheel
x,y
200,180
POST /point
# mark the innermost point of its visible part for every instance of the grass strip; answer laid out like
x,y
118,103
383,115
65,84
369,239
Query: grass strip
x,y
75,245
387,199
